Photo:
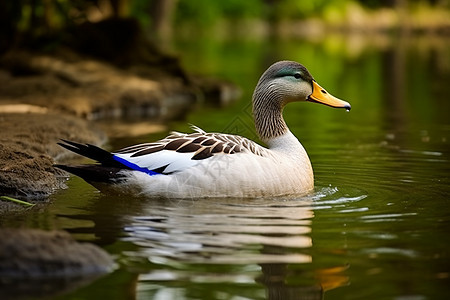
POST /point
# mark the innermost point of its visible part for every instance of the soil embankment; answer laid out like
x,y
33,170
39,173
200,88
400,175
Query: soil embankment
x,y
45,98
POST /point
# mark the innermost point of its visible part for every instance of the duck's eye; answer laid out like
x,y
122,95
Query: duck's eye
x,y
297,75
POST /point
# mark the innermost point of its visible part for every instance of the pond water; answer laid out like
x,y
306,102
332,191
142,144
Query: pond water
x,y
376,227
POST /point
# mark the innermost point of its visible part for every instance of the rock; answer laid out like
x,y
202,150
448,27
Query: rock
x,y
36,262
28,150
33,253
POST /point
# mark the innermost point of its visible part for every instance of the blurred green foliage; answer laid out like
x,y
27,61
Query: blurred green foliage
x,y
206,12
28,14
35,18
291,9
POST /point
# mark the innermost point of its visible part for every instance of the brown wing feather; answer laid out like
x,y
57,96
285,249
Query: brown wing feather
x,y
176,144
191,147
148,150
202,145
135,148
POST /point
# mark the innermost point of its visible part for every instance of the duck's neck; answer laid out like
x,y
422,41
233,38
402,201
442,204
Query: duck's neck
x,y
287,143
268,116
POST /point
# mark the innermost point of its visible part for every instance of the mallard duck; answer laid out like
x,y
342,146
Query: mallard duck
x,y
200,164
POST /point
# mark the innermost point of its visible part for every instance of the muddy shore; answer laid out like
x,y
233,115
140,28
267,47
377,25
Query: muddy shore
x,y
46,98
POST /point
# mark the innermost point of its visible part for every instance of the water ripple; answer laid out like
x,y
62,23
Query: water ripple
x,y
341,200
238,232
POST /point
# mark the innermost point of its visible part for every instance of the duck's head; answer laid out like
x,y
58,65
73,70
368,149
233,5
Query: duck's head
x,y
281,83
288,81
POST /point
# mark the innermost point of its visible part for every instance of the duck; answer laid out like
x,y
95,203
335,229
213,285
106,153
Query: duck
x,y
203,165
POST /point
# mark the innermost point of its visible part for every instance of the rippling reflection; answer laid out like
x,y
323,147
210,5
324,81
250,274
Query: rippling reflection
x,y
234,231
265,241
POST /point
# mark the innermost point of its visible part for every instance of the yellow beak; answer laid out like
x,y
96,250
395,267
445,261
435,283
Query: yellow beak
x,y
320,95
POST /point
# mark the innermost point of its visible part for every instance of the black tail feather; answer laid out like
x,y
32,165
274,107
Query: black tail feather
x,y
106,171
94,173
87,150
105,158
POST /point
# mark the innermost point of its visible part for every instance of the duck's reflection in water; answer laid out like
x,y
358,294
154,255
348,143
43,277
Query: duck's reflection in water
x,y
263,241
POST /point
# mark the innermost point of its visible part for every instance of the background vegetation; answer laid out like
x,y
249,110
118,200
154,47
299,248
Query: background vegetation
x,y
23,21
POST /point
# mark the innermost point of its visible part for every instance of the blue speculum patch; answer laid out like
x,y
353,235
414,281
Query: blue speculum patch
x,y
134,166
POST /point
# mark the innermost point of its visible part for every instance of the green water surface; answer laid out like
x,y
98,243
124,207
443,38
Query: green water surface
x,y
376,227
